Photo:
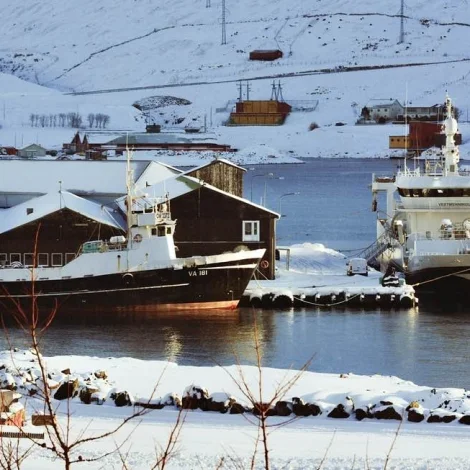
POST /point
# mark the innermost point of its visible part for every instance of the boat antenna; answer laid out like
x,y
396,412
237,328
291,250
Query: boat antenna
x,y
406,127
129,191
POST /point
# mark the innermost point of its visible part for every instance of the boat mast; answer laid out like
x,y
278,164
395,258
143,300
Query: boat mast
x,y
129,195
450,151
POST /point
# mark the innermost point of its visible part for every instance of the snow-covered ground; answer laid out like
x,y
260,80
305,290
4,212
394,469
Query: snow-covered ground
x,y
208,437
53,47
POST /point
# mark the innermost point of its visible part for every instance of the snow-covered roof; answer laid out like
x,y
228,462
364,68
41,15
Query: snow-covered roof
x,y
155,172
380,102
37,208
77,176
204,165
179,185
160,138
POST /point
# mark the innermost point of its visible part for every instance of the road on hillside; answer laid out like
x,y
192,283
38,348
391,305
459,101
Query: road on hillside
x,y
339,69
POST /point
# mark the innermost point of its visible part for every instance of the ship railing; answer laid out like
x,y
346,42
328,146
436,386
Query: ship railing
x,y
431,168
101,246
372,252
456,232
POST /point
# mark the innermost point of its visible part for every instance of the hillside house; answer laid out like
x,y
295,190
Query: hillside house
x,y
31,151
6,151
266,54
145,141
421,136
384,110
77,145
424,113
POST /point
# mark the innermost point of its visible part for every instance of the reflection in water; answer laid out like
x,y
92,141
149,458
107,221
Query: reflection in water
x,y
429,348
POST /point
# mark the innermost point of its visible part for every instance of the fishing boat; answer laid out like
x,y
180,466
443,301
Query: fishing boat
x,y
426,228
136,271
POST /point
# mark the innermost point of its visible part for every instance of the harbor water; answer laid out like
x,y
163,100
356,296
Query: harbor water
x,y
428,345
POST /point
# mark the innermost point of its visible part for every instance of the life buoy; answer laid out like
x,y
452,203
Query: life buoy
x,y
137,238
264,264
128,279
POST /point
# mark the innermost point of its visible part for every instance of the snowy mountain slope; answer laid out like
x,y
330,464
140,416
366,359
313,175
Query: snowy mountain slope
x,y
105,45
90,45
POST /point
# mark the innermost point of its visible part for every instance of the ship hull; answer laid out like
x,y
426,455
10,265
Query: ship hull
x,y
207,286
440,274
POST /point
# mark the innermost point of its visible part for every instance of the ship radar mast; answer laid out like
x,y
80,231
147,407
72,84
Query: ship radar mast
x,y
450,150
129,195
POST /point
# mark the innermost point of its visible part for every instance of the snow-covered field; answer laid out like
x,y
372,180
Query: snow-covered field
x,y
208,436
50,47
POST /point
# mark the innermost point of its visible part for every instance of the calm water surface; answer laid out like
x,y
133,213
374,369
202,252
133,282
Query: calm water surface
x,y
428,345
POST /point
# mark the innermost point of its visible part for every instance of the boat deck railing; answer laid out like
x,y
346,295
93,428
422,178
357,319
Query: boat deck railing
x,y
455,232
101,246
430,168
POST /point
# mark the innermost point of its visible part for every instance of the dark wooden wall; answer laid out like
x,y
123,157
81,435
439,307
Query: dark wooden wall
x,y
61,232
209,222
223,176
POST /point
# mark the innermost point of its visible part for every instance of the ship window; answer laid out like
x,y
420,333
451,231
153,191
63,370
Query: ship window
x,y
3,259
161,230
168,230
466,192
29,210
154,232
250,231
56,259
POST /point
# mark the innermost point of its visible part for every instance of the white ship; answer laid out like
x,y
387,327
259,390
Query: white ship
x,y
425,231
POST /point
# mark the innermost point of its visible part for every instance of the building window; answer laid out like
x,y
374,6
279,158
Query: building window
x,y
28,259
56,259
15,258
43,259
250,231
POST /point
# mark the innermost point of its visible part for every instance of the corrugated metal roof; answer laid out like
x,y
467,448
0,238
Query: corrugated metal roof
x,y
39,207
160,138
77,176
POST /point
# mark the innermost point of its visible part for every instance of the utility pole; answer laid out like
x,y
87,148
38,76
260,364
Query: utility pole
x,y
240,91
402,23
224,32
274,92
248,88
279,92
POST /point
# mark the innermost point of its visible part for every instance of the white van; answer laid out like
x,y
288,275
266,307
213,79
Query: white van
x,y
357,266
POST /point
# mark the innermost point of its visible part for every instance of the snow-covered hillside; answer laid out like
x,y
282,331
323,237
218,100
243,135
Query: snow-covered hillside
x,y
176,49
